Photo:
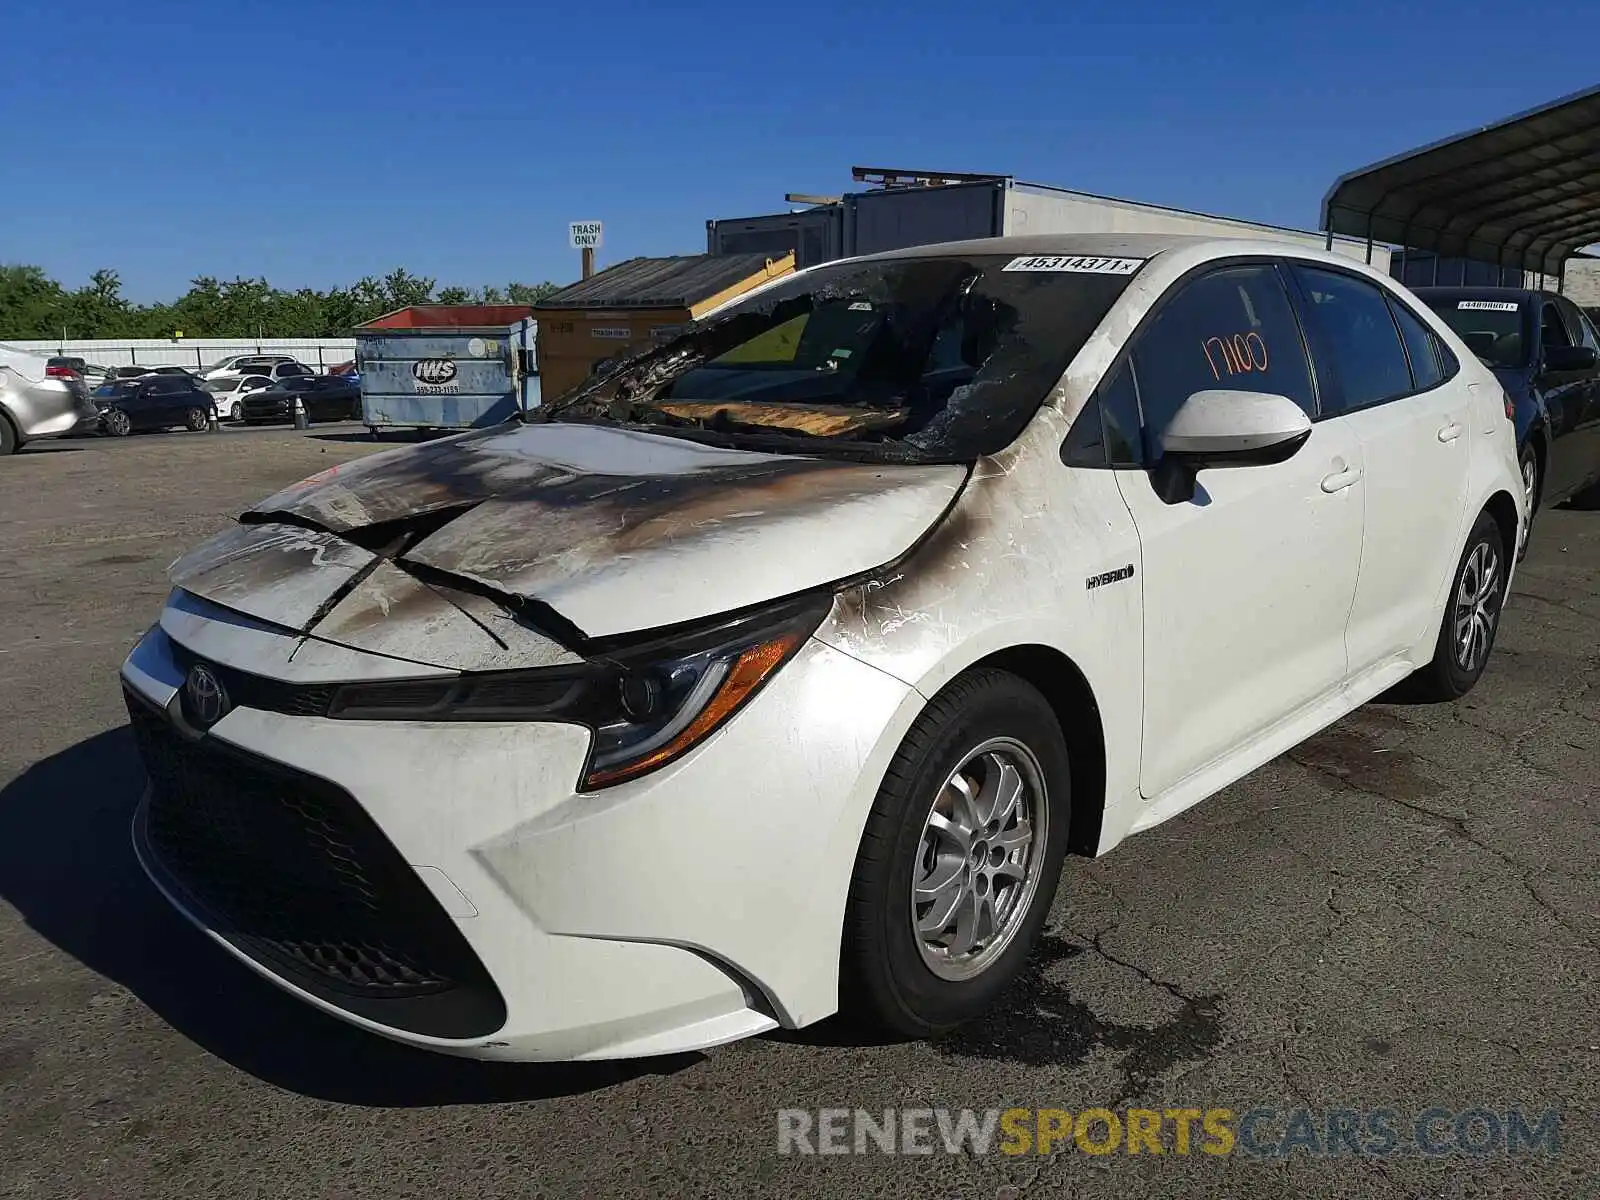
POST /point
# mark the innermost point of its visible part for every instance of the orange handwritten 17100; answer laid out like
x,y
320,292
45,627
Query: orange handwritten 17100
x,y
1235,355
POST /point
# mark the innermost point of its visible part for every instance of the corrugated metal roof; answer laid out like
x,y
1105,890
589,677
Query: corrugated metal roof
x,y
451,316
1523,192
676,282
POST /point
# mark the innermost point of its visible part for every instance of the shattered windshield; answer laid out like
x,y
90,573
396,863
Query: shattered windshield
x,y
921,359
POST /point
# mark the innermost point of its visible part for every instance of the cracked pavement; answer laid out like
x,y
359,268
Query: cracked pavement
x,y
1402,912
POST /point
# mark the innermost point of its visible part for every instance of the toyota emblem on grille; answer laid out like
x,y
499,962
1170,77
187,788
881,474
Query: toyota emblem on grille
x,y
434,370
208,700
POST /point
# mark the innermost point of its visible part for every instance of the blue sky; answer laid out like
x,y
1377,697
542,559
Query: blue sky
x,y
315,141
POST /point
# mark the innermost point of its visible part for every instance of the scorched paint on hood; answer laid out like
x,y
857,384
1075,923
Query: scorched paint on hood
x,y
608,531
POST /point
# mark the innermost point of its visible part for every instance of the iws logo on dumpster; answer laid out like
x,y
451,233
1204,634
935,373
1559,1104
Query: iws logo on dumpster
x,y
434,376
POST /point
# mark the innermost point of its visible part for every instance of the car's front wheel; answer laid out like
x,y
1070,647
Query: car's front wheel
x,y
116,423
960,857
195,419
236,413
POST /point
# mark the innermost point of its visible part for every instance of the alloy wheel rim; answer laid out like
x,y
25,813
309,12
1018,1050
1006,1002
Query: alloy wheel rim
x,y
978,859
1477,607
1530,492
117,421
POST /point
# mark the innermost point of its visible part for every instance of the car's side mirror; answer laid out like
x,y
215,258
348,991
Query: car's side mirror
x,y
1562,359
1219,428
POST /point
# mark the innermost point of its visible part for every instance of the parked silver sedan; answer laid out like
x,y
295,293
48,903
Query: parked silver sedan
x,y
34,404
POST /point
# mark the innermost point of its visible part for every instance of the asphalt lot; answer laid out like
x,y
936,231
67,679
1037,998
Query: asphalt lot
x,y
1402,913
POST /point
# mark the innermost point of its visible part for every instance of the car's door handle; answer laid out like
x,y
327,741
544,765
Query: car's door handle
x,y
1452,431
1340,480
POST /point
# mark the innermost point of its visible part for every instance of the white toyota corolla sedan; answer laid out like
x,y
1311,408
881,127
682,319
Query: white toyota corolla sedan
x,y
780,668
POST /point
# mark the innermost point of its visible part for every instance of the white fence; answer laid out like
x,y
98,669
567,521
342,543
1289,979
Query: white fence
x,y
193,352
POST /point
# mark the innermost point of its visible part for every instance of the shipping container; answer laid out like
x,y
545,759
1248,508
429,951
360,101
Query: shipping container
x,y
894,218
813,235
447,366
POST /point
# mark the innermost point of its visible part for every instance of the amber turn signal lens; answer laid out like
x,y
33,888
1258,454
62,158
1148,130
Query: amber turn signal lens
x,y
748,672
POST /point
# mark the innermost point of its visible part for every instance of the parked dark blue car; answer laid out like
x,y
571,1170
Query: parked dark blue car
x,y
153,402
1546,352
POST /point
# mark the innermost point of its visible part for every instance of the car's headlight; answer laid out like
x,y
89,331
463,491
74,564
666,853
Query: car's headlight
x,y
647,704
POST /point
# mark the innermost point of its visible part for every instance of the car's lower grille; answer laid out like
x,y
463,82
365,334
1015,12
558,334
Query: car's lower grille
x,y
290,869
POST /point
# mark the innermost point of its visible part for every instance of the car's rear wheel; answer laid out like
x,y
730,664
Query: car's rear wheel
x,y
1471,618
10,443
959,859
116,423
195,419
1529,462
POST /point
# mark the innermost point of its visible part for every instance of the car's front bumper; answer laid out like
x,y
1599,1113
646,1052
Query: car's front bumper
x,y
697,905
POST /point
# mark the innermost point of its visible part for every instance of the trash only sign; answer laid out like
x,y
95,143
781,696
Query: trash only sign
x,y
585,235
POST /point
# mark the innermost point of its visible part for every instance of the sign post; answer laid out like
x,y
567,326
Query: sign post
x,y
587,236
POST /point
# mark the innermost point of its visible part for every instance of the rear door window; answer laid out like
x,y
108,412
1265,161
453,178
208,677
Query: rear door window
x,y
1357,333
1421,348
1231,329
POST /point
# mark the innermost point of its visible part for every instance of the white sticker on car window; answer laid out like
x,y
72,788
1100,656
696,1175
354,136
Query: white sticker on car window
x,y
1488,305
1075,263
861,306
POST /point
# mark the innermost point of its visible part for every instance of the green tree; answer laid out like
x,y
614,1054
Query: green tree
x,y
32,305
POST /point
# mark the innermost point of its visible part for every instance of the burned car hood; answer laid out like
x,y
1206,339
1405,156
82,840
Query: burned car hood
x,y
523,541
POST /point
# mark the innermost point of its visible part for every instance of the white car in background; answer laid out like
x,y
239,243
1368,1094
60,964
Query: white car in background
x,y
229,392
274,366
783,667
38,401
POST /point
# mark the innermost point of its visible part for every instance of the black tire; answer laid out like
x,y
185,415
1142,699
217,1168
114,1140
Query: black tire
x,y
116,423
1450,675
195,420
236,413
10,443
886,976
1528,463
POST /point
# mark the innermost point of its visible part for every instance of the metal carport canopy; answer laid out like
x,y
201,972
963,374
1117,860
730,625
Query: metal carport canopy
x,y
1523,192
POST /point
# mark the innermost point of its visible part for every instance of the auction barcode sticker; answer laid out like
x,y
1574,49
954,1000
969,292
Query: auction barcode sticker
x,y
1076,264
1488,305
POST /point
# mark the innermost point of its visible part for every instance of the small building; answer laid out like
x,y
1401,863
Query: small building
x,y
634,303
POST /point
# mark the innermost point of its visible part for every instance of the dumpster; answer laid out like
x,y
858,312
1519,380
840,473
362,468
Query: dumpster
x,y
447,366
